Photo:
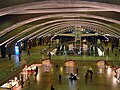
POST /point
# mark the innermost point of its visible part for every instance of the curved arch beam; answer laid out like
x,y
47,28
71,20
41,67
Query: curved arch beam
x,y
56,15
56,26
36,27
47,32
56,4
69,23
56,21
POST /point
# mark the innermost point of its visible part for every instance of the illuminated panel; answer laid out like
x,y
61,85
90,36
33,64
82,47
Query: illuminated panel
x,y
16,50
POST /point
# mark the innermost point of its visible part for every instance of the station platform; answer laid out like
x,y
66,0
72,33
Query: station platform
x,y
48,76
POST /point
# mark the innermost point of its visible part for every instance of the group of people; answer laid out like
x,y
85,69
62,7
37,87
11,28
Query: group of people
x,y
73,76
117,71
89,71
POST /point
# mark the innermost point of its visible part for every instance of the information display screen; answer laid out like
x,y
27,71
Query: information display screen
x,y
16,50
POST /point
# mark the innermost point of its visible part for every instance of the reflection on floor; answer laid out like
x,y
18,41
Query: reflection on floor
x,y
49,71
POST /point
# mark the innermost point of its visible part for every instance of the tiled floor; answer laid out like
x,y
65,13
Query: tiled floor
x,y
46,77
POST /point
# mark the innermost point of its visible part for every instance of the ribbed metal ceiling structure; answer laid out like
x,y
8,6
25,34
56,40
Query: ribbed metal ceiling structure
x,y
40,18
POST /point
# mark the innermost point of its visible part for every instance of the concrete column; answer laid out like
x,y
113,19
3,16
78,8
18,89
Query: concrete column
x,y
3,51
25,45
11,49
30,44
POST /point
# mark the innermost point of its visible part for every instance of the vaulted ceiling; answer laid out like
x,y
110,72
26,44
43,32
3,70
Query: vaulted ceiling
x,y
31,19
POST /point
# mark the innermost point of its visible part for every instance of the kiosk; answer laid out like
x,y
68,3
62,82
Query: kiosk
x,y
101,66
70,66
46,65
11,84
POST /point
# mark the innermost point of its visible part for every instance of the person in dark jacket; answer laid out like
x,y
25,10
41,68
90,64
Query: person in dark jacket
x,y
52,88
9,56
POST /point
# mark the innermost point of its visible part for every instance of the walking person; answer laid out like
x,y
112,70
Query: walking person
x,y
57,66
22,83
36,71
49,45
91,73
28,51
52,88
60,77
77,71
19,56
119,53
9,56
108,51
116,54
86,76
29,81
49,55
